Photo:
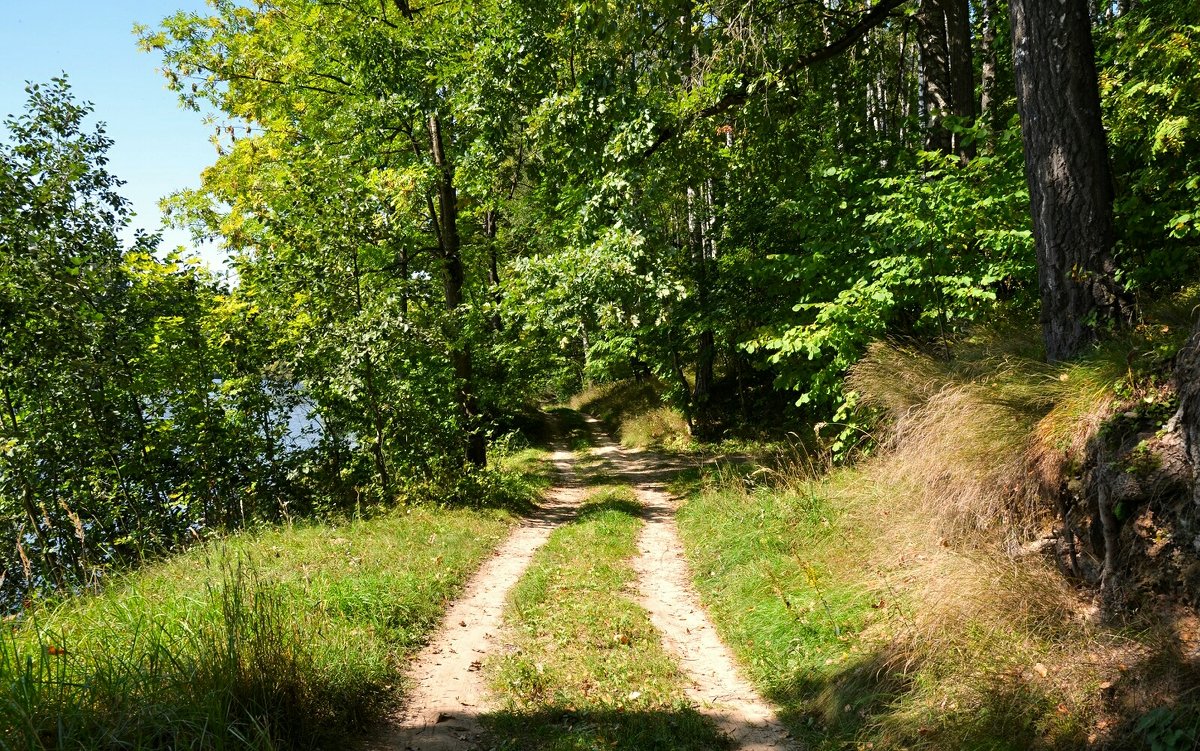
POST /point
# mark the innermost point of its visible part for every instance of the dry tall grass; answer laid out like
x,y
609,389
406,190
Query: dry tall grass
x,y
984,443
978,452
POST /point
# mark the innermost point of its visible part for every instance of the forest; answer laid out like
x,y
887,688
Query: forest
x,y
932,260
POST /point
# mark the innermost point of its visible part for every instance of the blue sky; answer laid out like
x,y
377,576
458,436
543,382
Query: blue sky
x,y
159,147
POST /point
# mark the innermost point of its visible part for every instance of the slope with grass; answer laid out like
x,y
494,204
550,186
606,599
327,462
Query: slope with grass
x,y
862,630
937,596
1015,567
291,637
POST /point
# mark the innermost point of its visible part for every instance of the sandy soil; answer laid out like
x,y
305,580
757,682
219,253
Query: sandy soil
x,y
448,691
665,584
449,695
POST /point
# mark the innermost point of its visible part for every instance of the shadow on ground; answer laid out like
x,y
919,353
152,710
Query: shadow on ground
x,y
1150,704
559,729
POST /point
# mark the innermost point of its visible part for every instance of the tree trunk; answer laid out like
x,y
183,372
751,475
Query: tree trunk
x,y
491,222
699,230
378,420
1066,164
947,73
379,423
987,100
1187,380
453,278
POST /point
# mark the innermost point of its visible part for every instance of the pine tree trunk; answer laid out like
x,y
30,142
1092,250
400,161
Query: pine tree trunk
x,y
1066,164
962,72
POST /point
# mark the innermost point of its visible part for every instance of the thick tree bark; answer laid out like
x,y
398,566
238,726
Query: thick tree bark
x,y
453,279
1066,163
1187,381
947,73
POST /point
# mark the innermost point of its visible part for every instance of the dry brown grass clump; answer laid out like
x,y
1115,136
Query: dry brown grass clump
x,y
979,451
983,442
977,641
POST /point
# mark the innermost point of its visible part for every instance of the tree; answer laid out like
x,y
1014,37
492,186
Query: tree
x,y
1066,164
127,423
947,72
394,115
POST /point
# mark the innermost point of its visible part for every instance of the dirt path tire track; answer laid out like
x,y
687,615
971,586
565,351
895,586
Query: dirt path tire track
x,y
442,709
668,595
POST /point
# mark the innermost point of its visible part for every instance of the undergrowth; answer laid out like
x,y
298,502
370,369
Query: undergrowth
x,y
637,413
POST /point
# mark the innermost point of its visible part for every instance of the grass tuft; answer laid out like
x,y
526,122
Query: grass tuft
x,y
290,638
983,443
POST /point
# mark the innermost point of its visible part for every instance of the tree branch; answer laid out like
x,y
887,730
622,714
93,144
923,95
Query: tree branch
x,y
741,93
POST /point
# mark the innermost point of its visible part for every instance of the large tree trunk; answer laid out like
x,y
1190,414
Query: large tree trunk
x,y
947,73
453,278
1066,163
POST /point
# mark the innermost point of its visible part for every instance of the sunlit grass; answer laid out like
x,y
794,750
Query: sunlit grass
x,y
585,668
637,414
850,614
285,638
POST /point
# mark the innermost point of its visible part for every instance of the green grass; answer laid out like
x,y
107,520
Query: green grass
x,y
586,669
864,630
527,473
637,414
769,567
287,638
